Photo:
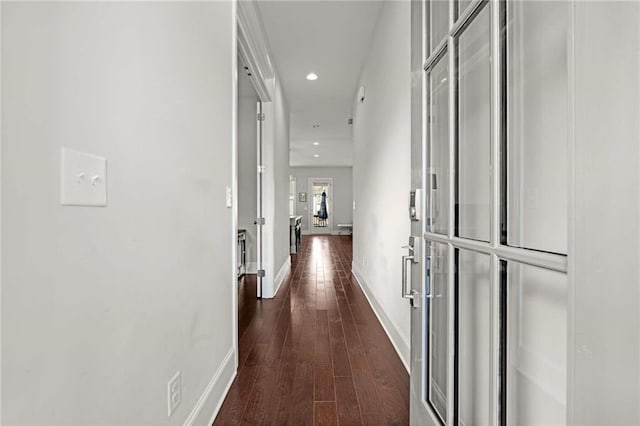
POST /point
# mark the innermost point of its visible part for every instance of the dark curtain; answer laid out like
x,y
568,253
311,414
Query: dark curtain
x,y
322,213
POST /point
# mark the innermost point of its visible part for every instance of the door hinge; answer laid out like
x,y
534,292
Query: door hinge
x,y
260,221
261,116
260,169
261,273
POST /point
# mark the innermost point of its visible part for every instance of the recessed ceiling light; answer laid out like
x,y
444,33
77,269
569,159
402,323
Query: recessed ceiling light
x,y
316,155
312,76
316,143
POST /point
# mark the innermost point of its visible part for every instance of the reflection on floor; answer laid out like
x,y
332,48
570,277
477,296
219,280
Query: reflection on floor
x,y
316,354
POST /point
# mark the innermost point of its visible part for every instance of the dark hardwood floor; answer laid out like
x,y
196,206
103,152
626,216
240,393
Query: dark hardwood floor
x,y
316,353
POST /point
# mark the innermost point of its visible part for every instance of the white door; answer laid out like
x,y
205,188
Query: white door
x,y
260,219
490,144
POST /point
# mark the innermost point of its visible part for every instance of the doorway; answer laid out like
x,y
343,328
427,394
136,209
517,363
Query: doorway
x,y
250,185
321,205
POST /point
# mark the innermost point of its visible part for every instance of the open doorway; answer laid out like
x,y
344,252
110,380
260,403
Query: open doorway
x,y
321,205
249,180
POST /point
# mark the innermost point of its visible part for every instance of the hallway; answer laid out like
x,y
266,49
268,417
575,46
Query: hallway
x,y
316,353
486,153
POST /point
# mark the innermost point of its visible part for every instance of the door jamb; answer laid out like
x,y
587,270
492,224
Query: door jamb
x,y
249,44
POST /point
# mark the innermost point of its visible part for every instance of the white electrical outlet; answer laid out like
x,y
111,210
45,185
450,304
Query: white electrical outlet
x,y
174,393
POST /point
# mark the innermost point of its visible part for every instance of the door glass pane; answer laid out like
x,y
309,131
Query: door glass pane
x,y
320,202
438,21
537,96
474,344
537,346
474,127
438,326
292,196
439,145
462,6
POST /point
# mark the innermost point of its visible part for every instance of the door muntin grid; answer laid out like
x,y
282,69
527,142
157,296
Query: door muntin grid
x,y
494,236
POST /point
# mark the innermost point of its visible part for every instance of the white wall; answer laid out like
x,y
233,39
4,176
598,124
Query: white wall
x,y
342,193
382,171
101,306
281,181
247,165
604,346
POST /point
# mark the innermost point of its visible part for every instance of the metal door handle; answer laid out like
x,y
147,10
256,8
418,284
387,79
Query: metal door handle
x,y
406,294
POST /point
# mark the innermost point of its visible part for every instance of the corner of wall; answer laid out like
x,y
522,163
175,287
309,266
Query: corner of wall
x,y
282,275
382,165
209,403
399,344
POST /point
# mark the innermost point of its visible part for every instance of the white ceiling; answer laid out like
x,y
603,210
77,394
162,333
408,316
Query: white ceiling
x,y
331,39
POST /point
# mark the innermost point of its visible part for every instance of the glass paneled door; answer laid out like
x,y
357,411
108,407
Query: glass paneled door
x,y
321,205
489,150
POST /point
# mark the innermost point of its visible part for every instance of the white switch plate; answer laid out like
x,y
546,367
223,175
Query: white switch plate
x,y
83,179
174,393
228,197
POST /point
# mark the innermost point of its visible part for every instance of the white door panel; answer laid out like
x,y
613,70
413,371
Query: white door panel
x,y
525,140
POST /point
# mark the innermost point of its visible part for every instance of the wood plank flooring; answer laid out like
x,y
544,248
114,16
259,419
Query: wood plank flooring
x,y
315,354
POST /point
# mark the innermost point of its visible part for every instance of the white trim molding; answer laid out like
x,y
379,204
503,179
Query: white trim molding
x,y
1,208
399,344
253,48
234,181
209,403
282,275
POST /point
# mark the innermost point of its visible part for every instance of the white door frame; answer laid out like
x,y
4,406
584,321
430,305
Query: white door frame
x,y
259,200
254,52
329,209
250,46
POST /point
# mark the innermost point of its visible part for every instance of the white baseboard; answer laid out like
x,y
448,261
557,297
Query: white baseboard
x,y
209,403
282,274
328,232
401,347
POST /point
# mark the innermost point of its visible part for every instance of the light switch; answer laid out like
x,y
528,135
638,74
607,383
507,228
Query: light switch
x,y
228,197
83,180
